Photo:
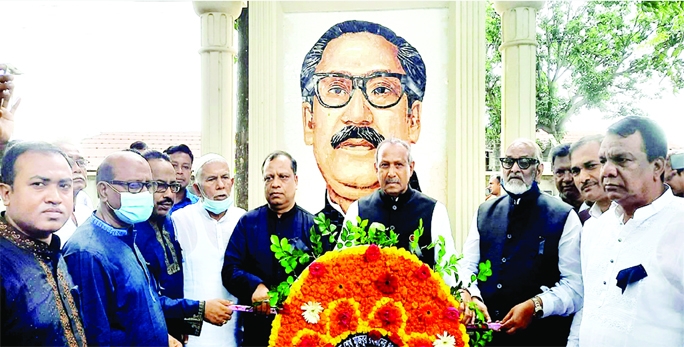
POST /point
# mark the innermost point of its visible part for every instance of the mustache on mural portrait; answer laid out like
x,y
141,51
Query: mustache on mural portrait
x,y
350,132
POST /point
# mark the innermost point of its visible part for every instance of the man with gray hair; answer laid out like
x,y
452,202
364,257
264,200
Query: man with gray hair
x,y
532,241
400,208
204,230
585,167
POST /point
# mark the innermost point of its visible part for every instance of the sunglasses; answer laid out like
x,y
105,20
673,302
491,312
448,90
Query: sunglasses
x,y
523,163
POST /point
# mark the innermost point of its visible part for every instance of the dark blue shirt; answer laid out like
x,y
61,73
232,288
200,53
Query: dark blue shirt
x,y
119,304
162,252
37,297
249,260
189,199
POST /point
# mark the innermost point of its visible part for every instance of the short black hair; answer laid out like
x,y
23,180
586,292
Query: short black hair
x,y
498,178
559,151
276,154
155,154
654,141
183,148
585,140
14,151
138,146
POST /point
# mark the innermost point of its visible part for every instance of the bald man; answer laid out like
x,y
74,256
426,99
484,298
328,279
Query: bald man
x,y
120,306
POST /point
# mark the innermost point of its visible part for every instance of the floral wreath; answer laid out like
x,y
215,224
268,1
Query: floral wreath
x,y
368,294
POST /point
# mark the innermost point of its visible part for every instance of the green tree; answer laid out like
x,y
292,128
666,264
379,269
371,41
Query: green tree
x,y
597,55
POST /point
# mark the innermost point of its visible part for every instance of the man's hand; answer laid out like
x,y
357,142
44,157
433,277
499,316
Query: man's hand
x,y
466,312
518,318
173,342
261,297
217,312
482,307
6,115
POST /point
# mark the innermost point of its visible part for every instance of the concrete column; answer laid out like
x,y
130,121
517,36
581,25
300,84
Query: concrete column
x,y
265,91
466,140
518,53
217,54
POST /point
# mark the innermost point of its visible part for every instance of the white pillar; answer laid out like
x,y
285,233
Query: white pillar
x,y
217,54
518,54
265,94
466,140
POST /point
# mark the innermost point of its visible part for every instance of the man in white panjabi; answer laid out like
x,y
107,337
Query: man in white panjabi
x,y
632,263
204,230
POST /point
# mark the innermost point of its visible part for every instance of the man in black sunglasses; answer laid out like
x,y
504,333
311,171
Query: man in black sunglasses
x,y
532,241
158,242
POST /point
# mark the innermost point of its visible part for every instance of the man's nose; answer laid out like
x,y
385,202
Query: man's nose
x,y
220,184
52,195
608,170
567,176
358,111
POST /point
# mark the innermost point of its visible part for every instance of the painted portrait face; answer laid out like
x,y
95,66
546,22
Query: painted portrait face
x,y
360,100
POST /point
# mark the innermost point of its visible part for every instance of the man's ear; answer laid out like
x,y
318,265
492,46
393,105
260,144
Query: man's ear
x,y
5,190
196,187
308,122
412,165
540,171
658,168
375,165
101,190
413,120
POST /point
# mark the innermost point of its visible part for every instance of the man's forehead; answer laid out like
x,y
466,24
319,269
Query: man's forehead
x,y
585,153
33,164
180,157
520,149
618,145
280,164
359,54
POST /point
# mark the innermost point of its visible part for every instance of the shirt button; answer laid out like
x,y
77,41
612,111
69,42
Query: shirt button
x,y
619,240
509,236
611,260
394,207
503,260
604,282
391,227
499,286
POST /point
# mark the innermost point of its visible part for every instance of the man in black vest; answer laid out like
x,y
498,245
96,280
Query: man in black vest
x,y
532,241
398,207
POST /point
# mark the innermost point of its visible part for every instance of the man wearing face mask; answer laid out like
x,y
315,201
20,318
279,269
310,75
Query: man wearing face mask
x,y
119,303
203,231
156,239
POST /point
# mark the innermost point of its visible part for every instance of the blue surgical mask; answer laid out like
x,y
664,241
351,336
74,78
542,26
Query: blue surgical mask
x,y
135,208
217,207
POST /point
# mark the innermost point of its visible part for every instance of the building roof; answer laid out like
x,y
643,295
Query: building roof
x,y
96,148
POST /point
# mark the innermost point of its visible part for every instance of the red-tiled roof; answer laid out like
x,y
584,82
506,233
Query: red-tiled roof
x,y
96,148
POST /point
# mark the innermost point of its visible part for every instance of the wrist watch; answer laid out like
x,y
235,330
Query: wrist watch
x,y
538,308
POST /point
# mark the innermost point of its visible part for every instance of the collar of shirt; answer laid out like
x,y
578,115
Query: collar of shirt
x,y
332,204
644,212
27,243
399,200
271,214
108,228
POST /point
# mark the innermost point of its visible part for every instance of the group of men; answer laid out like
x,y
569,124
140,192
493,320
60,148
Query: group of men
x,y
155,261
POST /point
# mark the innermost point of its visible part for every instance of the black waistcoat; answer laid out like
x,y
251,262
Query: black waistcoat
x,y
519,234
402,215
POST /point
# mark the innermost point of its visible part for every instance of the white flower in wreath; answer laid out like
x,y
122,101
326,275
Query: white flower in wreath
x,y
312,311
445,340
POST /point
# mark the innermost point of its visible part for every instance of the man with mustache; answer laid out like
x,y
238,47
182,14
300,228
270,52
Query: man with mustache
x,y
37,295
119,302
633,278
83,205
360,83
400,208
586,173
203,230
250,267
181,159
156,239
532,241
560,165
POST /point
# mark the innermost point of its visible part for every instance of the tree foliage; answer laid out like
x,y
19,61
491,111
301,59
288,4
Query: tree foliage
x,y
595,54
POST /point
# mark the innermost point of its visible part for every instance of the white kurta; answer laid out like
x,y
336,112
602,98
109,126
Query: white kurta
x,y
203,241
83,208
650,312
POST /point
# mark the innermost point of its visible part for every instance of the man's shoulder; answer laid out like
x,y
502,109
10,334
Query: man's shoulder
x,y
85,240
554,204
